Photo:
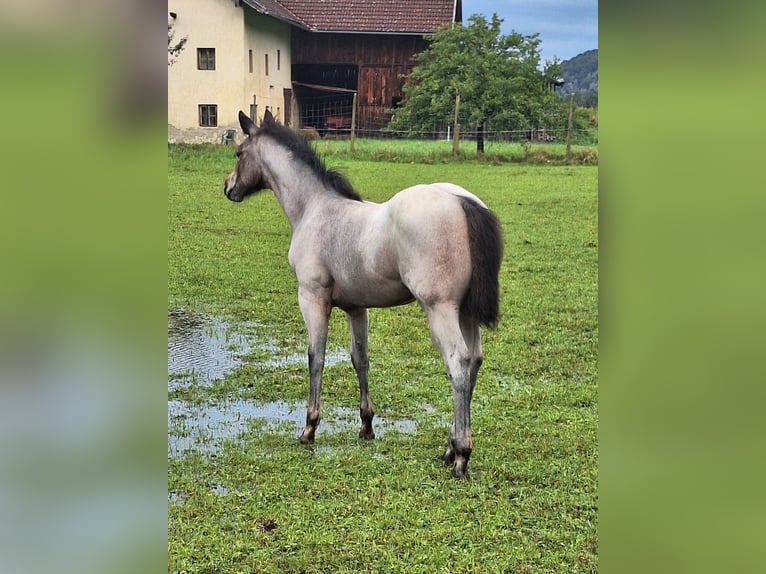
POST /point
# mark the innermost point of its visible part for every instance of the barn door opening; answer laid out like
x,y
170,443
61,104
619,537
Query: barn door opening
x,y
325,95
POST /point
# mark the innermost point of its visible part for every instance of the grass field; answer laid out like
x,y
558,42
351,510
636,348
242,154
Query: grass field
x,y
264,503
440,151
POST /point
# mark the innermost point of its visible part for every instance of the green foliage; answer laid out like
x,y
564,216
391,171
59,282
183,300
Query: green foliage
x,y
498,79
585,121
265,503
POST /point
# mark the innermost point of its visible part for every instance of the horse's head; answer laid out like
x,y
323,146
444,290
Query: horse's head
x,y
247,176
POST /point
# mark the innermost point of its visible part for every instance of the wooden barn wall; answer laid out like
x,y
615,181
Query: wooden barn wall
x,y
382,60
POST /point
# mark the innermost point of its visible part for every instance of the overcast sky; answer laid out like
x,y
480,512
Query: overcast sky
x,y
566,27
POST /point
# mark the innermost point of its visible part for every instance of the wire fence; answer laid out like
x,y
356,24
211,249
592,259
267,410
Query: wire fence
x,y
331,116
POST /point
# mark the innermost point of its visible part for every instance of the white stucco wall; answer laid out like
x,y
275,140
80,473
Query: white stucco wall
x,y
232,31
267,36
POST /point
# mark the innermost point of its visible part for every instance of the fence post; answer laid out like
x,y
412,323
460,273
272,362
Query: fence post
x,y
480,136
352,139
456,131
569,127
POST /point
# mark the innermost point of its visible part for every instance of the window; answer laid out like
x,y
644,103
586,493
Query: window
x,y
266,60
250,58
206,58
208,115
279,60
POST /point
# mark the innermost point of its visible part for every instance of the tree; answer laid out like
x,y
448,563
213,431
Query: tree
x,y
174,49
498,79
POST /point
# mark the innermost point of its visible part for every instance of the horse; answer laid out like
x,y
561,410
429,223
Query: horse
x,y
436,244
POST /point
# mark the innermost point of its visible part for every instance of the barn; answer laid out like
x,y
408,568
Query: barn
x,y
362,46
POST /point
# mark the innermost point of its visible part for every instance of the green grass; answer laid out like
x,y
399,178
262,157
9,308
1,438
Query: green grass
x,y
530,504
440,151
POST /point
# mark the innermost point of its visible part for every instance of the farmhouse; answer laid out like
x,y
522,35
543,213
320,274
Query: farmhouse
x,y
302,59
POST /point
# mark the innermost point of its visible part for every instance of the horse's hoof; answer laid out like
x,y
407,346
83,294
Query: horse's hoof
x,y
460,471
448,457
306,439
366,435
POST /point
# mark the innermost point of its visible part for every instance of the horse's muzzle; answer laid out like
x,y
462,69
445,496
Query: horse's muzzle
x,y
227,193
228,189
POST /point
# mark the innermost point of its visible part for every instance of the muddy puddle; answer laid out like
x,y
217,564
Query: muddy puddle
x,y
206,349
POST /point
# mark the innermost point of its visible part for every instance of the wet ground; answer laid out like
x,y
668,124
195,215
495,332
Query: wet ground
x,y
206,349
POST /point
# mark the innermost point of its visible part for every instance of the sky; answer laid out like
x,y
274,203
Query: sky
x,y
566,27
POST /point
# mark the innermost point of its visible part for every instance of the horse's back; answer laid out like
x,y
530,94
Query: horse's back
x,y
430,197
457,190
430,204
425,205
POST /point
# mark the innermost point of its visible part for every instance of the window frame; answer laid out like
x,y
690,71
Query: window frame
x,y
206,58
204,115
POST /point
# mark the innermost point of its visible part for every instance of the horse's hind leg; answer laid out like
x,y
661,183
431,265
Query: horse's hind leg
x,y
357,322
472,337
448,338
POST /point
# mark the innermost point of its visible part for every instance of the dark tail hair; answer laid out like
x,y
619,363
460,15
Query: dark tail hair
x,y
485,236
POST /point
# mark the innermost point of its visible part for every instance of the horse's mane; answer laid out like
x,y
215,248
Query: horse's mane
x,y
303,152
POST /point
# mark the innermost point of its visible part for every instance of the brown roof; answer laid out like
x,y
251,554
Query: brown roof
x,y
275,9
372,16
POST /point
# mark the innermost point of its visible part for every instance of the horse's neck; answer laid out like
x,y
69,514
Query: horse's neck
x,y
294,184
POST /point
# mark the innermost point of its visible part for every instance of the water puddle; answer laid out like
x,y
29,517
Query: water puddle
x,y
206,349
332,357
203,348
206,428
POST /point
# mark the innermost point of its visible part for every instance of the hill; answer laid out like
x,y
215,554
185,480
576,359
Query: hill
x,y
581,77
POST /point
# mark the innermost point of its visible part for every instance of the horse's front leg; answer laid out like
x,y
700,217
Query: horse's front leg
x,y
358,325
315,309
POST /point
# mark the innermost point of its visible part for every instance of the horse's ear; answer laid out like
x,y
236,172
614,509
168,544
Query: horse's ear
x,y
248,125
267,116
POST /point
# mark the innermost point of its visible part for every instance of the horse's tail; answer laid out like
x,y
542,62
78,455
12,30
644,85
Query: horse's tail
x,y
485,237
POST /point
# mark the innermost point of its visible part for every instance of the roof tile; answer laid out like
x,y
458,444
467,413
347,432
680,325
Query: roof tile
x,y
374,16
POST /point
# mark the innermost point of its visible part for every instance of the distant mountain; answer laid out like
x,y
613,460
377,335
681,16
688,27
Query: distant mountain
x,y
580,76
